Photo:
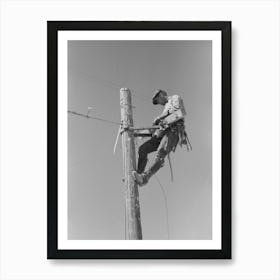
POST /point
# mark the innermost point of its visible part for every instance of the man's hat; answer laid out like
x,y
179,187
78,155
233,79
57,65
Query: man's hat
x,y
157,93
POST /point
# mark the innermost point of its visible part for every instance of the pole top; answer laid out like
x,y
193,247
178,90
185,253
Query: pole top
x,y
125,97
125,89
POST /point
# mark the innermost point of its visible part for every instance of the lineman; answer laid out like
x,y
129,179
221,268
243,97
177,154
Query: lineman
x,y
165,139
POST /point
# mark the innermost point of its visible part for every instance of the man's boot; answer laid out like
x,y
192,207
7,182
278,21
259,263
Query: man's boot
x,y
139,178
143,178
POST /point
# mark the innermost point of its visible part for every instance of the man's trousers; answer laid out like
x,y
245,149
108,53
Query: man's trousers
x,y
163,146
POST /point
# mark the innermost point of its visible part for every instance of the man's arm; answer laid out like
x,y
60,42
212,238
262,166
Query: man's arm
x,y
163,115
176,104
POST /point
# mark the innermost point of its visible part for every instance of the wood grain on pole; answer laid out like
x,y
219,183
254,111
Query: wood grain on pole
x,y
133,219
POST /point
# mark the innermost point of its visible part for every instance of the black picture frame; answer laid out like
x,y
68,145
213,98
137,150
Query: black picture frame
x,y
52,138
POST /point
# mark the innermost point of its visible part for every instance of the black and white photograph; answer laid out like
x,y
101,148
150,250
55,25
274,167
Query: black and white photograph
x,y
140,131
99,74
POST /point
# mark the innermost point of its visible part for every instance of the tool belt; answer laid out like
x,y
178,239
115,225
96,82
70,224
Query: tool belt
x,y
176,128
179,129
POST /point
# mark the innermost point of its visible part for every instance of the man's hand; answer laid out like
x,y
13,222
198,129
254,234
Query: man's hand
x,y
156,121
163,124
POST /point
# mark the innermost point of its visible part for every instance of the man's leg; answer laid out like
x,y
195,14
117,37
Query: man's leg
x,y
166,145
146,148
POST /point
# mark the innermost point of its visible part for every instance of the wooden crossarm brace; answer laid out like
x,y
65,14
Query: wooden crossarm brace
x,y
143,134
145,128
144,131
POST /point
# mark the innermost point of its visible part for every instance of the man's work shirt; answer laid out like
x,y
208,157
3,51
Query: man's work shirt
x,y
174,103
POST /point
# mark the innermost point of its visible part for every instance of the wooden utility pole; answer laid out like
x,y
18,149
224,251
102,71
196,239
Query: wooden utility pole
x,y
133,219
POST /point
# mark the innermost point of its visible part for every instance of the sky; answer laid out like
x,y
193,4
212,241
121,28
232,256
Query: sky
x,y
97,70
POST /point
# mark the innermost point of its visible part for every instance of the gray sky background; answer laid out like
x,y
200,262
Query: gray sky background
x,y
96,72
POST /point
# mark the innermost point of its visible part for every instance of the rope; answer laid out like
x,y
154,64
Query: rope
x,y
170,167
166,206
189,146
94,118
